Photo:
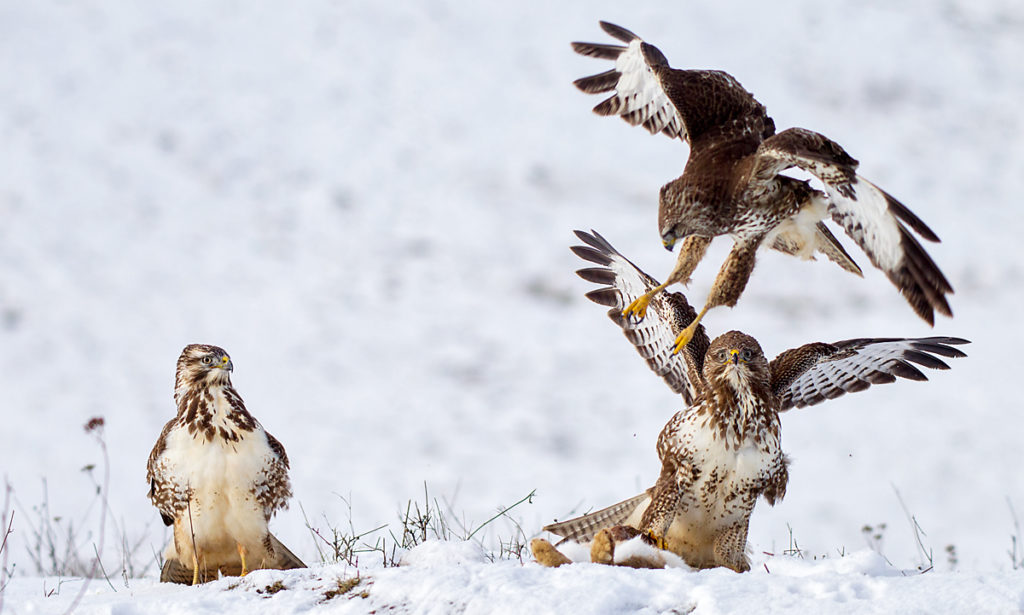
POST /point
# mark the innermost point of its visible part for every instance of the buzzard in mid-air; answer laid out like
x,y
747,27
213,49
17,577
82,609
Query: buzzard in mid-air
x,y
733,183
217,476
723,451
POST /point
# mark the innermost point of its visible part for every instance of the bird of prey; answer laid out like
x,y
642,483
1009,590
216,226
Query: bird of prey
x,y
217,476
733,184
724,451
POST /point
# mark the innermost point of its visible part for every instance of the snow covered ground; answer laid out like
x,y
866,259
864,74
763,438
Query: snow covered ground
x,y
369,206
456,578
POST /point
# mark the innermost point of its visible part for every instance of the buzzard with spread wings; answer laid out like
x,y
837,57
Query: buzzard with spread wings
x,y
733,183
724,450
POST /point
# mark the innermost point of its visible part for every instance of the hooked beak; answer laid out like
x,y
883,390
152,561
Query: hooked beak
x,y
669,241
734,357
226,364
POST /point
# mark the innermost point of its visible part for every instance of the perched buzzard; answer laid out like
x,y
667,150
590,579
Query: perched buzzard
x,y
732,183
217,476
723,451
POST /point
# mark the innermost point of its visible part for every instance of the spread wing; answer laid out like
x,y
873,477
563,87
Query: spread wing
x,y
678,103
868,214
667,315
815,372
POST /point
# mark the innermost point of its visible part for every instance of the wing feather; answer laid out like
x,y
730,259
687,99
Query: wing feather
x,y
164,492
868,214
583,528
679,103
815,372
668,313
639,97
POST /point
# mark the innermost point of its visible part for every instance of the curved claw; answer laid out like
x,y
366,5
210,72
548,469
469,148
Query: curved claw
x,y
687,334
637,309
684,338
654,539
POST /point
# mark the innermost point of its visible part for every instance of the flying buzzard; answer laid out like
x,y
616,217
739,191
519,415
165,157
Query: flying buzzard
x,y
217,476
732,183
723,451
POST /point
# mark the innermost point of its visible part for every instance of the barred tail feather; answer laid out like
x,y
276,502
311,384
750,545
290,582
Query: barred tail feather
x,y
582,529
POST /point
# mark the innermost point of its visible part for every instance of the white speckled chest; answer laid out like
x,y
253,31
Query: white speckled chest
x,y
223,477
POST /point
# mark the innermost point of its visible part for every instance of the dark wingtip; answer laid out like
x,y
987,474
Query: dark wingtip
x,y
590,254
941,346
601,51
596,241
597,275
601,82
653,55
608,297
921,281
903,213
908,371
925,359
618,32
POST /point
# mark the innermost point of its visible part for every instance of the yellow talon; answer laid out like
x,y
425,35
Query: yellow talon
x,y
683,339
687,334
638,308
241,554
657,541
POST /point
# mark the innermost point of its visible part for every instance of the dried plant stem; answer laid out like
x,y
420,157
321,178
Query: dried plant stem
x,y
95,427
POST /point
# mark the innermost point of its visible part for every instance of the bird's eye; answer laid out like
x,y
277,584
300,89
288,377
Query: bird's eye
x,y
746,354
207,360
722,354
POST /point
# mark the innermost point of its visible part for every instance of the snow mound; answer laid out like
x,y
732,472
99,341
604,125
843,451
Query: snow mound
x,y
440,553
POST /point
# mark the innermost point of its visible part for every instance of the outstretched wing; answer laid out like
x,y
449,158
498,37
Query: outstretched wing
x,y
679,103
815,372
868,214
667,315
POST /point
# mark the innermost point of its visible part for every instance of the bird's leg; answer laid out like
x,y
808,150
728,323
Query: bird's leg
x,y
638,308
730,546
669,493
241,554
195,567
654,539
687,334
732,279
691,252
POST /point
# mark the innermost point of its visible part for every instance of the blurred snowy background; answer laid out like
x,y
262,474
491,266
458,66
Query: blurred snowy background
x,y
369,206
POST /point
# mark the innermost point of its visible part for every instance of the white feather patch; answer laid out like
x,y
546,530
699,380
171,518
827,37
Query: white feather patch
x,y
639,90
867,219
801,229
827,379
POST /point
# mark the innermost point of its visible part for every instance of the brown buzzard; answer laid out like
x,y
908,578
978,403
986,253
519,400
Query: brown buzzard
x,y
217,476
732,183
723,451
